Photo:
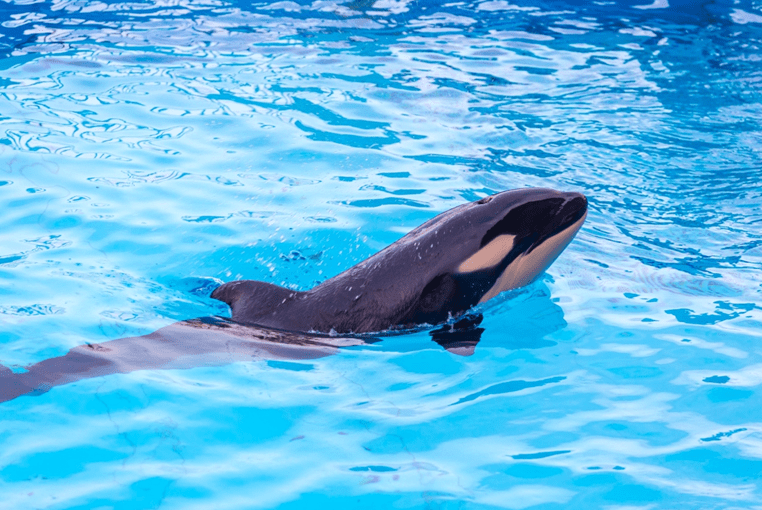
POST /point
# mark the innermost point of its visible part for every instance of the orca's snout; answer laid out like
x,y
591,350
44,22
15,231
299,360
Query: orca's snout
x,y
573,208
576,199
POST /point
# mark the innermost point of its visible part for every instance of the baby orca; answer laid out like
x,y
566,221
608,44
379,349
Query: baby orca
x,y
463,257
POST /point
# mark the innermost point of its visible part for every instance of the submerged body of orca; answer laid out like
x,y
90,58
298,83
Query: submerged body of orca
x,y
437,272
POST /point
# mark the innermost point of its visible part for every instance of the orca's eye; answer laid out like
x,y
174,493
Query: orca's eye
x,y
485,200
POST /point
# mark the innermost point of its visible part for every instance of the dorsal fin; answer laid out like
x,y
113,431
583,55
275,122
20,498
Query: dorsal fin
x,y
250,300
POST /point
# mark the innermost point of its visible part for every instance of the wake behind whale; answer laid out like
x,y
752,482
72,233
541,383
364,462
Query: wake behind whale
x,y
434,274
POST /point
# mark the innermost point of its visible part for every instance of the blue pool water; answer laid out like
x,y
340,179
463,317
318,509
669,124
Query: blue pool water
x,y
151,150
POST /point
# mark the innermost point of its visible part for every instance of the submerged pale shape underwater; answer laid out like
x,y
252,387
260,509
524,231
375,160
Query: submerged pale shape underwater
x,y
152,150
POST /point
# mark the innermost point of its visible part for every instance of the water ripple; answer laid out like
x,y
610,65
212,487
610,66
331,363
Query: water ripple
x,y
508,387
153,149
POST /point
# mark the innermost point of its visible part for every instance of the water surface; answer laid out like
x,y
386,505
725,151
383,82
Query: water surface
x,y
151,150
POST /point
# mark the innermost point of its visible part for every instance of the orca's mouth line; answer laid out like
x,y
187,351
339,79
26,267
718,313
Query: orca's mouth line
x,y
566,233
571,212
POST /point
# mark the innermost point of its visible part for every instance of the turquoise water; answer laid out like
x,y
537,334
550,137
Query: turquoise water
x,y
150,151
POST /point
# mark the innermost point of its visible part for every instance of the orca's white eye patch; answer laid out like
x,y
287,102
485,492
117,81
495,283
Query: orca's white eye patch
x,y
527,266
488,256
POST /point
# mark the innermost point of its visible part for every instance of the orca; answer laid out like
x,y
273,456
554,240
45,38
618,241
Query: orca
x,y
438,271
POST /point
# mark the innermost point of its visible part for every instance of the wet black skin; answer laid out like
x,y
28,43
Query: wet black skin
x,y
413,281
